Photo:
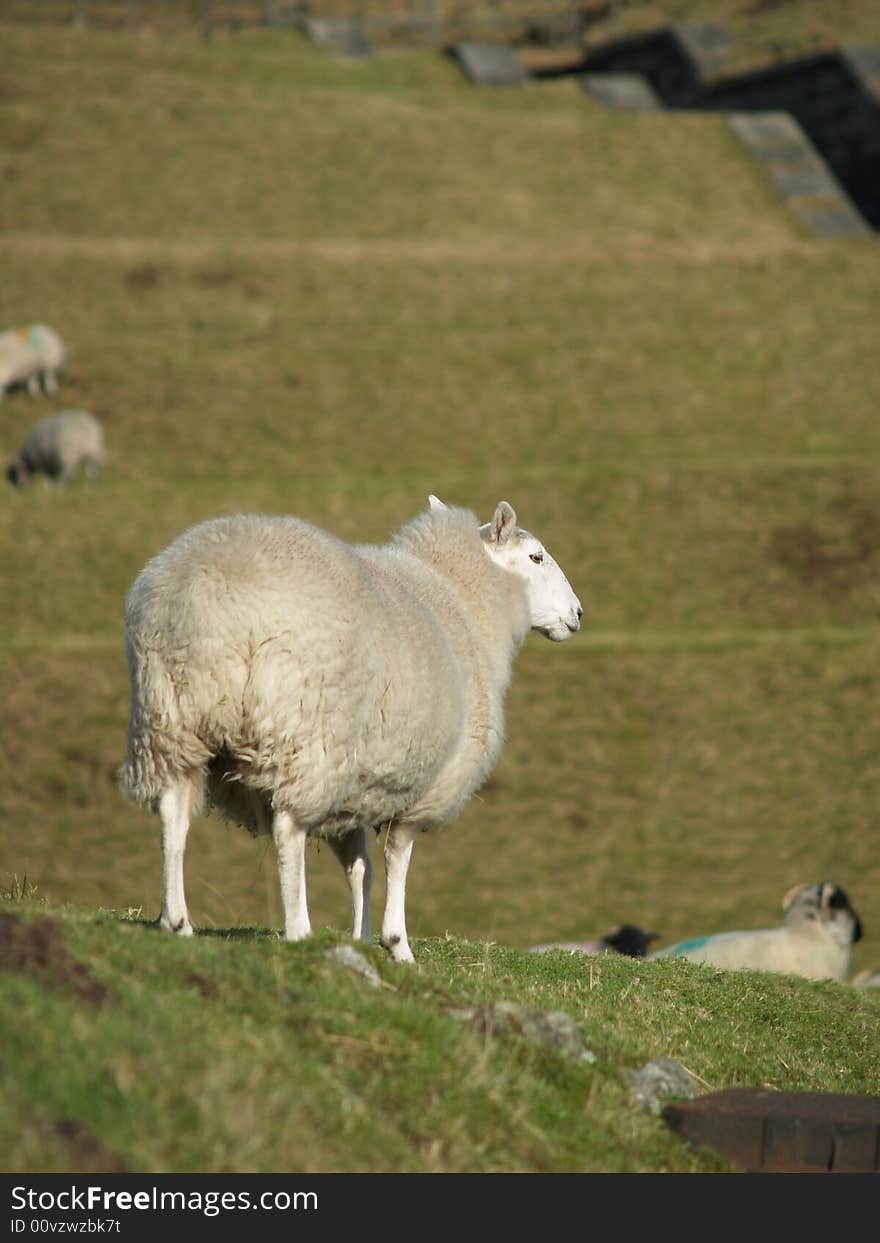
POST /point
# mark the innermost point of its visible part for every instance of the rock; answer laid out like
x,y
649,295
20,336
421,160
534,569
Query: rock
x,y
551,1028
351,958
658,1079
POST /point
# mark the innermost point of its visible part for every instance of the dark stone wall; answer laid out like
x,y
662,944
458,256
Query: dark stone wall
x,y
831,97
835,96
676,60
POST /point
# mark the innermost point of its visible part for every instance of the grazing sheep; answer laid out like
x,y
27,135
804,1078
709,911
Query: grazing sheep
x,y
627,939
818,930
57,446
304,686
31,356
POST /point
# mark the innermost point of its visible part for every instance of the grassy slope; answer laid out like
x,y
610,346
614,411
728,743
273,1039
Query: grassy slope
x,y
293,284
248,1054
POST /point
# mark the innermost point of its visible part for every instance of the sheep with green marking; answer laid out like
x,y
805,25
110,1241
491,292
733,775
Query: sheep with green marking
x,y
818,931
31,357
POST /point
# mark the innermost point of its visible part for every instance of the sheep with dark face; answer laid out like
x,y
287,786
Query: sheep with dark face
x,y
627,939
305,686
57,447
818,931
31,356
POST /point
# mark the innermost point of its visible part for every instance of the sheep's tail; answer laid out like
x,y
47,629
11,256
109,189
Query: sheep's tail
x,y
163,751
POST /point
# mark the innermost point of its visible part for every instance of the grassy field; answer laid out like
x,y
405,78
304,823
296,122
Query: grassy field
x,y
294,284
761,31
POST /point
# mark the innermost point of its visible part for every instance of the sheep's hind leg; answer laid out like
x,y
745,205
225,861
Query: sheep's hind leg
x,y
290,847
351,851
175,810
398,849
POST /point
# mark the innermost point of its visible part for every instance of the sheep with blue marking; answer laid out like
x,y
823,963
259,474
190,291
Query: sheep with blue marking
x,y
309,687
818,931
32,357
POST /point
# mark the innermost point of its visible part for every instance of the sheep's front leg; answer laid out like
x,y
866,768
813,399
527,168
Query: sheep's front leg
x,y
175,810
398,848
290,848
351,851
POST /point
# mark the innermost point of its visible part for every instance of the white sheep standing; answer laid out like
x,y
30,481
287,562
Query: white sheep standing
x,y
31,356
305,686
57,446
818,931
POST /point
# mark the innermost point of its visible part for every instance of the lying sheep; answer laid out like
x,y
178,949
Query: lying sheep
x,y
304,686
818,930
627,939
57,446
866,979
31,356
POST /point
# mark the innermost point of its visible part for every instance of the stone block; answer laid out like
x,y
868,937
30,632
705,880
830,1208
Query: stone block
x,y
621,90
490,64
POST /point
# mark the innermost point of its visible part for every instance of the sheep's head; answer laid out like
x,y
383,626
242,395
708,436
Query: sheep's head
x,y
826,905
17,473
554,609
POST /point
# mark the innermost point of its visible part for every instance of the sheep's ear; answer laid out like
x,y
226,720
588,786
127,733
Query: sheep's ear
x,y
434,502
826,891
792,894
503,524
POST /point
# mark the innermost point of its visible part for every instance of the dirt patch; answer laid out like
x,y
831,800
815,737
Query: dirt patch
x,y
144,276
88,1155
36,948
214,278
207,988
835,557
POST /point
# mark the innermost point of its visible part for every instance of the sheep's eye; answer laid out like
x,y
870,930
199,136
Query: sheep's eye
x,y
537,557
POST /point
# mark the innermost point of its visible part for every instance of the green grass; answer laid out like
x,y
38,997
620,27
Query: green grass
x,y
240,1053
293,284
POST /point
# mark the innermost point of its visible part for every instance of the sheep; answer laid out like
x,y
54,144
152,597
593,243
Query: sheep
x,y
627,939
818,930
308,687
57,446
31,356
866,979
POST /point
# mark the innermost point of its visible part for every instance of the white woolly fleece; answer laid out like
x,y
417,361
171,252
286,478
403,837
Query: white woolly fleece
x,y
275,667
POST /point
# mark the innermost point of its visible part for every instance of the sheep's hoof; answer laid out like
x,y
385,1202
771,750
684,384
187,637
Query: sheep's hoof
x,y
180,927
398,948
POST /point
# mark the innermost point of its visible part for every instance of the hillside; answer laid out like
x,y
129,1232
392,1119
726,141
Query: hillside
x,y
133,1051
294,284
